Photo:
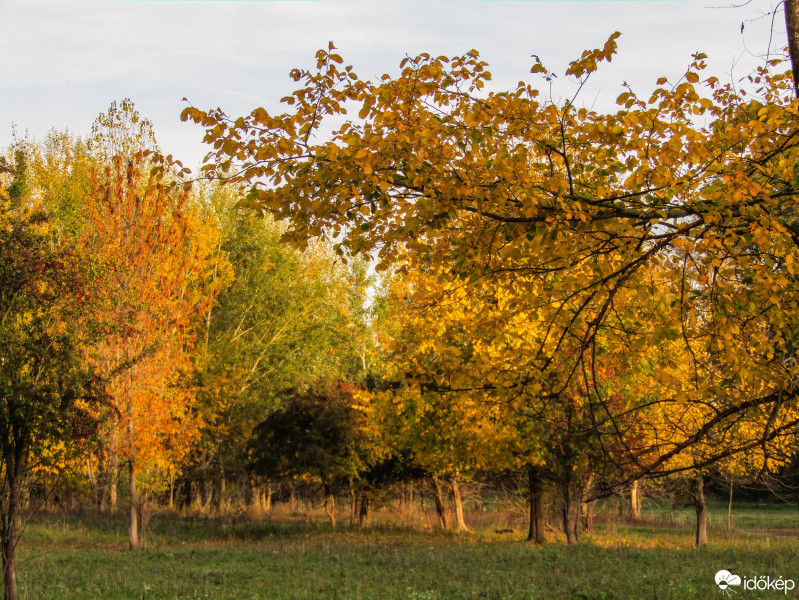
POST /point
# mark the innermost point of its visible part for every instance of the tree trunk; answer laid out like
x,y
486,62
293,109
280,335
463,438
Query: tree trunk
x,y
222,501
9,566
363,513
440,511
93,483
792,24
144,520
586,507
536,531
423,502
113,477
456,499
701,512
10,526
570,510
729,508
330,503
401,504
135,542
635,501
353,503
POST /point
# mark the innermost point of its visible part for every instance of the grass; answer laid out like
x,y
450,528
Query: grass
x,y
74,557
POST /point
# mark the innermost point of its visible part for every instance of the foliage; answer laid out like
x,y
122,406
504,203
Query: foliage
x,y
287,320
49,399
156,255
319,432
580,219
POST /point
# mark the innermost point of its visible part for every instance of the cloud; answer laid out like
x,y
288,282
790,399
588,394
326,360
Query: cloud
x,y
71,59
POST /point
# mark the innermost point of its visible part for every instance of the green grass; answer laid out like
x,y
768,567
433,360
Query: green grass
x,y
86,558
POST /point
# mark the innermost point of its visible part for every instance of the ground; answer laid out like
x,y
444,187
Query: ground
x,y
69,556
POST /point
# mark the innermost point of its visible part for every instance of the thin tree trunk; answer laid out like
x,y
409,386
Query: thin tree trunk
x,y
440,511
171,489
586,507
565,511
135,542
456,499
701,512
792,24
92,475
113,477
536,531
353,503
363,513
222,502
330,503
401,504
635,501
729,508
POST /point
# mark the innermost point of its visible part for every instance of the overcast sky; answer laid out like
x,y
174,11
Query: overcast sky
x,y
64,61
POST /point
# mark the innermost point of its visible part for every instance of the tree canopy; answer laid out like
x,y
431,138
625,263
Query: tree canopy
x,y
580,219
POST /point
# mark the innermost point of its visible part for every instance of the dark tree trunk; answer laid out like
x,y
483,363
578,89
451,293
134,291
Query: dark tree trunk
x,y
729,508
9,567
10,524
439,498
353,503
792,24
536,488
363,512
570,511
330,503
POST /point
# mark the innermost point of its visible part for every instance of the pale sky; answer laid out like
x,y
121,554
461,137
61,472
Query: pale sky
x,y
64,61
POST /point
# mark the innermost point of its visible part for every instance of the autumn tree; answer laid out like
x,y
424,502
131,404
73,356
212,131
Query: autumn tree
x,y
49,399
319,432
287,320
511,190
156,257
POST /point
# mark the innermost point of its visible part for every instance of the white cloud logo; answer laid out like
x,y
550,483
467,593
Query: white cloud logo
x,y
724,579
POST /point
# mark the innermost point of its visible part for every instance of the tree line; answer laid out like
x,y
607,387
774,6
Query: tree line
x,y
587,298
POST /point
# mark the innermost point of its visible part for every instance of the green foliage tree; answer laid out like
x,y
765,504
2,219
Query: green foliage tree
x,y
49,399
287,320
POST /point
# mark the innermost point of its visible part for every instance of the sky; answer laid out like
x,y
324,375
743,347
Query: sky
x,y
64,61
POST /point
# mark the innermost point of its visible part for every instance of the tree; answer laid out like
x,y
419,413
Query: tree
x,y
319,432
695,180
49,399
287,320
156,258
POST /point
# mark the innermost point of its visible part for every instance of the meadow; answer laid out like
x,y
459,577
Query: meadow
x,y
73,556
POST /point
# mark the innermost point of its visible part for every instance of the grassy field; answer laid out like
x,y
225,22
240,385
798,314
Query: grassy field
x,y
73,557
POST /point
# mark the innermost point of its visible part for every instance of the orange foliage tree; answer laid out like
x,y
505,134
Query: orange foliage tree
x,y
157,259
